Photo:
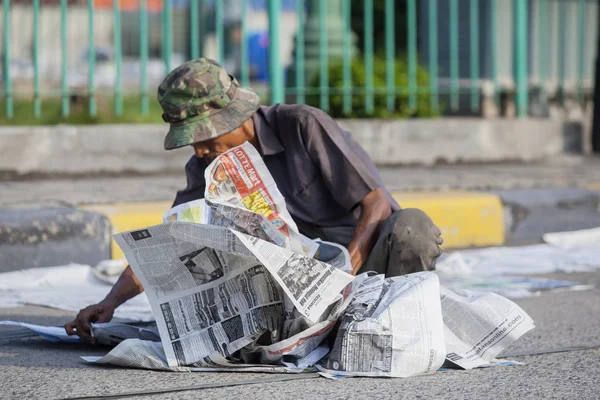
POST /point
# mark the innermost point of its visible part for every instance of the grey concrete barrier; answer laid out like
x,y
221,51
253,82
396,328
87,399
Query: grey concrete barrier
x,y
48,236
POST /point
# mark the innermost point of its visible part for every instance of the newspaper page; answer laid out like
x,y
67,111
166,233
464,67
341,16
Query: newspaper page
x,y
137,353
392,328
240,180
300,337
310,284
193,211
207,291
478,326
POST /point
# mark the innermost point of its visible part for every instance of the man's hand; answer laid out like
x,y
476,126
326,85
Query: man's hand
x,y
96,313
127,287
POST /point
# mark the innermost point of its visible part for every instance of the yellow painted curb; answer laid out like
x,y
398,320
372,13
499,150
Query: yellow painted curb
x,y
129,216
466,219
591,186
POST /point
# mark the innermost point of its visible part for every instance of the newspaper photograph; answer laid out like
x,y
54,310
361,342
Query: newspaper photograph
x,y
392,328
478,326
240,179
311,285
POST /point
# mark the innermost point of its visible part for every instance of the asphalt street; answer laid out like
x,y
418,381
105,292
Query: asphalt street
x,y
565,171
34,368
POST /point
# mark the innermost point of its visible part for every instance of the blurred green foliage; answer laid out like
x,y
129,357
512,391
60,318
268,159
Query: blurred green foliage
x,y
402,110
51,112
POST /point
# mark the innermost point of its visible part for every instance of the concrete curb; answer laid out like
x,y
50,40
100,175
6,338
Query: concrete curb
x,y
41,237
466,218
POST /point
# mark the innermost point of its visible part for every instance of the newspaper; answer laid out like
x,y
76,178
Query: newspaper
x,y
478,326
233,285
213,289
240,188
392,328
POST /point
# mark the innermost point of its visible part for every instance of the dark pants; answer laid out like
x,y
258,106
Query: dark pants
x,y
408,242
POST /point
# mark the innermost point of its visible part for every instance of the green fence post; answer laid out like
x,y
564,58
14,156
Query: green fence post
x,y
561,51
194,31
167,41
581,49
144,57
433,55
37,107
245,73
275,70
494,49
474,53
369,98
64,89
323,57
91,60
219,30
300,82
521,15
117,45
454,89
411,16
390,55
543,42
8,95
347,58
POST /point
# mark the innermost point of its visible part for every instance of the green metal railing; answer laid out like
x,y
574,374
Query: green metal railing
x,y
443,40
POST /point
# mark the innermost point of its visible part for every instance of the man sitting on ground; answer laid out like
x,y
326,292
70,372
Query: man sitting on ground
x,y
331,187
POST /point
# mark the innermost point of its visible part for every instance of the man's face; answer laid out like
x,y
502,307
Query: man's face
x,y
211,149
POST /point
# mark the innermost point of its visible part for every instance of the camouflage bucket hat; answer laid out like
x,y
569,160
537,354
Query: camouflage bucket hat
x,y
200,102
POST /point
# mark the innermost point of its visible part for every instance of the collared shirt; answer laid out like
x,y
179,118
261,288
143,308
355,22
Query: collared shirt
x,y
321,171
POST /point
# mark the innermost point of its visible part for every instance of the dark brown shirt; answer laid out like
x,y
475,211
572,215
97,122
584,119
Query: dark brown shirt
x,y
320,170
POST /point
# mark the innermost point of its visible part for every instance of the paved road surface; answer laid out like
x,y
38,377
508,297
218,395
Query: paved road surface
x,y
566,171
33,368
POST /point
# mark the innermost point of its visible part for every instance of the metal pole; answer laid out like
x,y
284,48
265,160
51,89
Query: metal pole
x,y
368,34
454,55
494,49
63,67
91,60
323,58
168,35
390,55
8,95
219,30
300,80
245,73
521,59
411,16
117,44
37,107
543,43
347,58
433,55
474,54
581,49
561,50
275,70
144,57
194,30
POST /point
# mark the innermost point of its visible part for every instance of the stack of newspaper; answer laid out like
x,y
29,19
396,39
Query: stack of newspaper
x,y
233,285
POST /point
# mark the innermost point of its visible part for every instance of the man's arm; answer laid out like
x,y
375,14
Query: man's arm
x,y
127,286
374,209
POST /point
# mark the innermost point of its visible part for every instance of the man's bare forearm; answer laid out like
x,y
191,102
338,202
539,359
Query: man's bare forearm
x,y
127,287
375,208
